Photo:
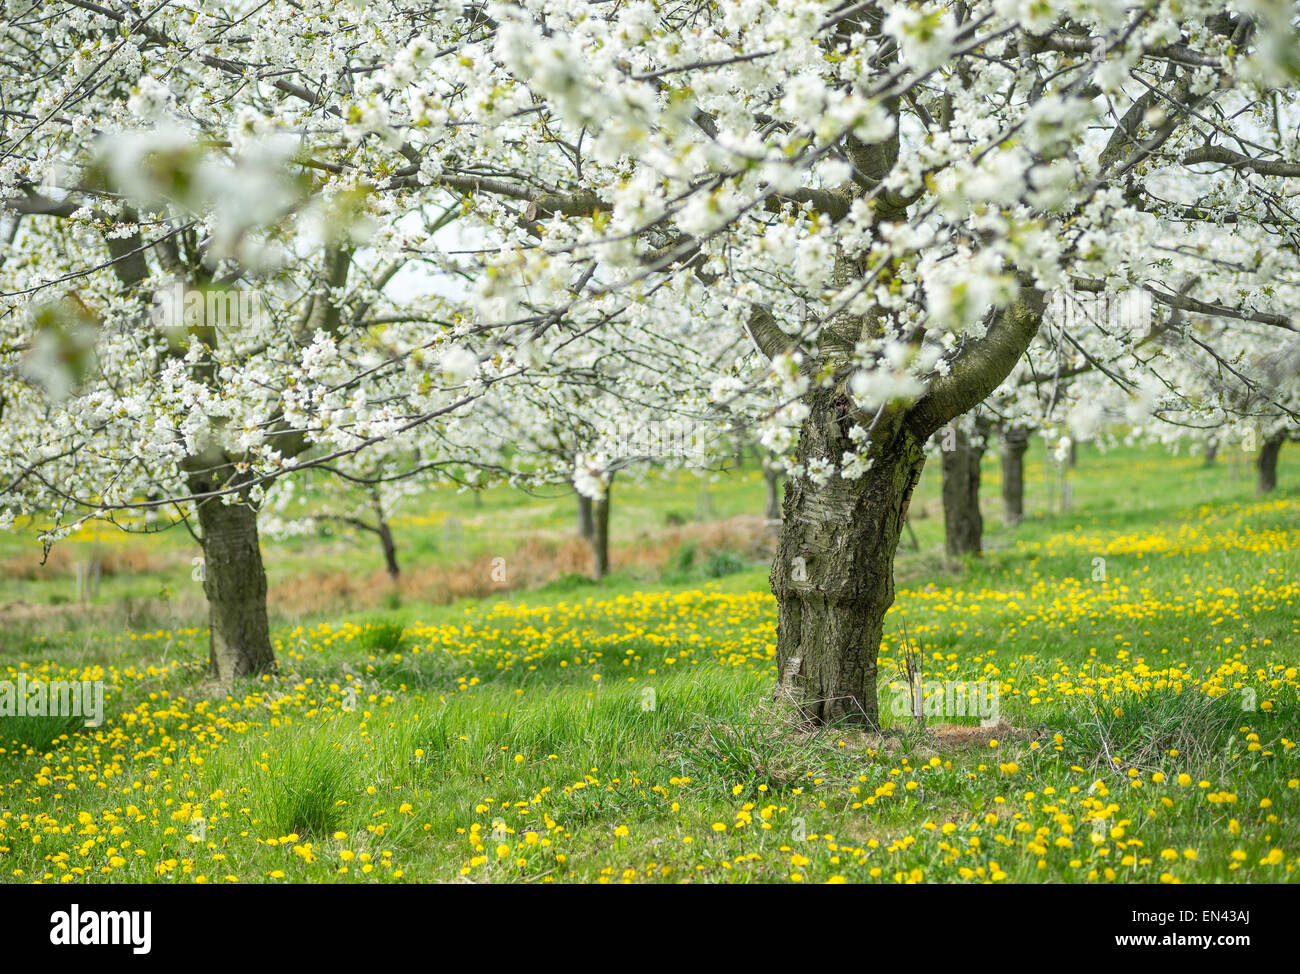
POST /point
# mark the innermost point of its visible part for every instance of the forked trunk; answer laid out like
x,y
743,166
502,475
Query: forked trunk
x,y
235,584
963,525
1266,462
1014,444
833,576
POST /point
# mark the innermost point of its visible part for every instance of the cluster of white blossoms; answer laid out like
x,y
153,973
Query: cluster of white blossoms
x,y
454,210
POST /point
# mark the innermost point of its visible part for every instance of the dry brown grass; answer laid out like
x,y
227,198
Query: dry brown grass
x,y
131,613
26,568
63,560
535,562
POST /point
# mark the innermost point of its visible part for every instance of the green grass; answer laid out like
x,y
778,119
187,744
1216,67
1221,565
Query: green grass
x,y
626,731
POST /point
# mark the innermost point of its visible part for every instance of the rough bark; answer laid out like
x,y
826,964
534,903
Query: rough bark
x,y
962,523
586,525
1266,462
1014,444
235,584
833,573
833,576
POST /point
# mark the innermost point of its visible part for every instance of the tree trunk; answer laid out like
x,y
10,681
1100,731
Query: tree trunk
x,y
833,575
235,584
586,526
1014,444
772,478
385,533
1211,452
390,550
1266,462
600,535
963,526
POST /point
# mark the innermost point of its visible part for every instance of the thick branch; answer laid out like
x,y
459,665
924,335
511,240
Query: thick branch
x,y
1235,160
767,334
980,365
1184,303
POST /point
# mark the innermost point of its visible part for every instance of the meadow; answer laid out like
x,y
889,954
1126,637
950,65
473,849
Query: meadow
x,y
1144,646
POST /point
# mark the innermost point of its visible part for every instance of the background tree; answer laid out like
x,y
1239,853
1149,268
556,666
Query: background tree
x,y
961,449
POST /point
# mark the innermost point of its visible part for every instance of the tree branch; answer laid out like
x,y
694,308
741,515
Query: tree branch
x,y
980,366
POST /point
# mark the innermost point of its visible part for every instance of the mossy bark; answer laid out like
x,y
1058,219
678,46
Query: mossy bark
x,y
833,576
